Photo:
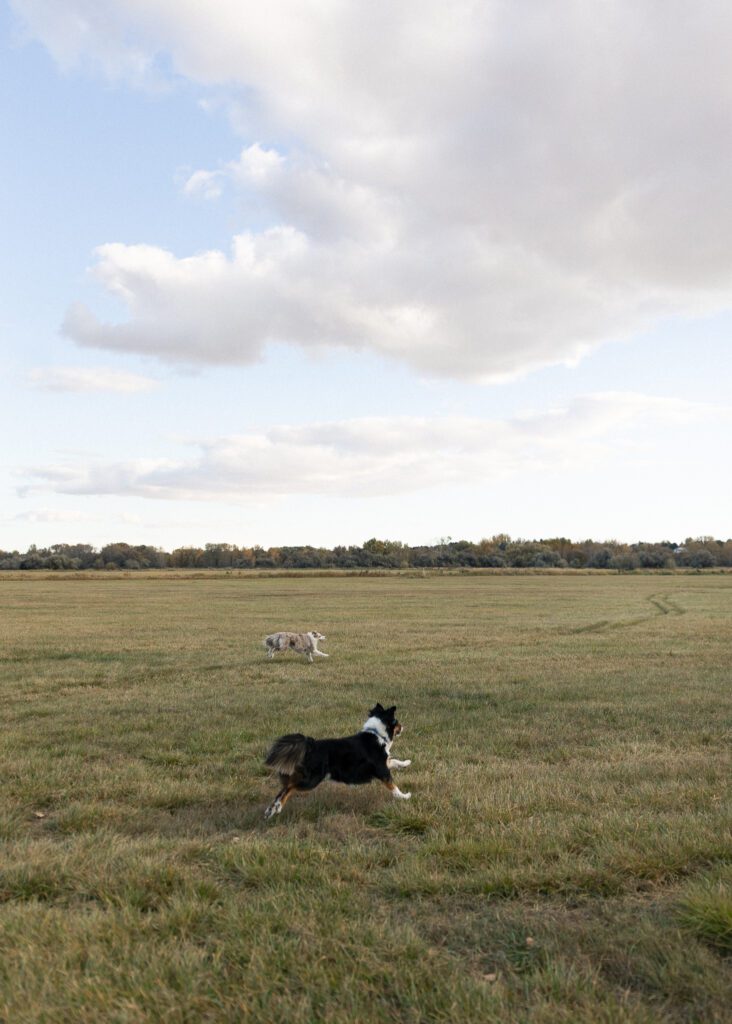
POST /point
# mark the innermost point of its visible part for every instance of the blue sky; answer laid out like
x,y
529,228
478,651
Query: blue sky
x,y
268,281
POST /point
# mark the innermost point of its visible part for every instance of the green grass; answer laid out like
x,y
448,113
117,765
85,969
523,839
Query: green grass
x,y
565,856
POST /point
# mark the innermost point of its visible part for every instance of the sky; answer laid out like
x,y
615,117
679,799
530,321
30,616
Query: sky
x,y
314,271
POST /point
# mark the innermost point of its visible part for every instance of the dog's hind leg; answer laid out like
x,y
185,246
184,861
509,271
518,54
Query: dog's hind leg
x,y
281,799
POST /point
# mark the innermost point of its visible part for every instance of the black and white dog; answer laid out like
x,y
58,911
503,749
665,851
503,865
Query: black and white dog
x,y
303,762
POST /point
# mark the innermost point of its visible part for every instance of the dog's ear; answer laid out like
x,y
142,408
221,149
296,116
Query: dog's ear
x,y
391,712
376,710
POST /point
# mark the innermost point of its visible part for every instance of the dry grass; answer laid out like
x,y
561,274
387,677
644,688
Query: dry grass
x,y
564,857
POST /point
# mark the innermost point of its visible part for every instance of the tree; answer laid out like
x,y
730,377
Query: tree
x,y
703,559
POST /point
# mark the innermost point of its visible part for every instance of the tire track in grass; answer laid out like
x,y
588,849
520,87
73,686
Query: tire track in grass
x,y
663,604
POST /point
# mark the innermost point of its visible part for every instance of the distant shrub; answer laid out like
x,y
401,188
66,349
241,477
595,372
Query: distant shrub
x,y
702,559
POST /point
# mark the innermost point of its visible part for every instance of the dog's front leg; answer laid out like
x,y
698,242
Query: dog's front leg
x,y
394,762
396,791
321,654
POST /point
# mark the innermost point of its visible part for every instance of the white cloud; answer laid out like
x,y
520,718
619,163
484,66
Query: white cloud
x,y
83,379
49,515
204,183
386,455
476,190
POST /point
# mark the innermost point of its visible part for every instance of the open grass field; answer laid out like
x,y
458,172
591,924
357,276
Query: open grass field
x,y
565,855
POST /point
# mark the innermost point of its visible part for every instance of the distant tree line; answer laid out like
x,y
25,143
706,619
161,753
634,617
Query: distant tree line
x,y
499,551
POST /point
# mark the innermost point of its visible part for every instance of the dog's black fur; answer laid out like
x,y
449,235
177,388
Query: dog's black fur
x,y
303,762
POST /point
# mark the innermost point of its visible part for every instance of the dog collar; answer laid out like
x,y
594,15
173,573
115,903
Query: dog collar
x,y
378,735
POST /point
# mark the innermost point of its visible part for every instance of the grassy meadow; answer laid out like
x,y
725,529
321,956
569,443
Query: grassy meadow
x,y
565,856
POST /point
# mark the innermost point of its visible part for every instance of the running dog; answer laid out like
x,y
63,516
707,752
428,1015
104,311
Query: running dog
x,y
303,762
301,643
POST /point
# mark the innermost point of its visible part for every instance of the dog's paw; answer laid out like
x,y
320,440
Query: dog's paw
x,y
406,764
274,808
402,796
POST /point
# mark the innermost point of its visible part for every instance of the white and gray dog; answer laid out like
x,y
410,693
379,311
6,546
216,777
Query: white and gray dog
x,y
300,643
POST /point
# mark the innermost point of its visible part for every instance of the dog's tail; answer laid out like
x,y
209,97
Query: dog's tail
x,y
287,754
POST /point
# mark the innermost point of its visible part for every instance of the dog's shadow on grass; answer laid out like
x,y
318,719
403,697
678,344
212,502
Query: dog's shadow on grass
x,y
178,816
199,820
205,820
233,816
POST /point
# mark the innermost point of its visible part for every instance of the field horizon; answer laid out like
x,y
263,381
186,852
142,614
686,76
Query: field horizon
x,y
565,857
173,572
